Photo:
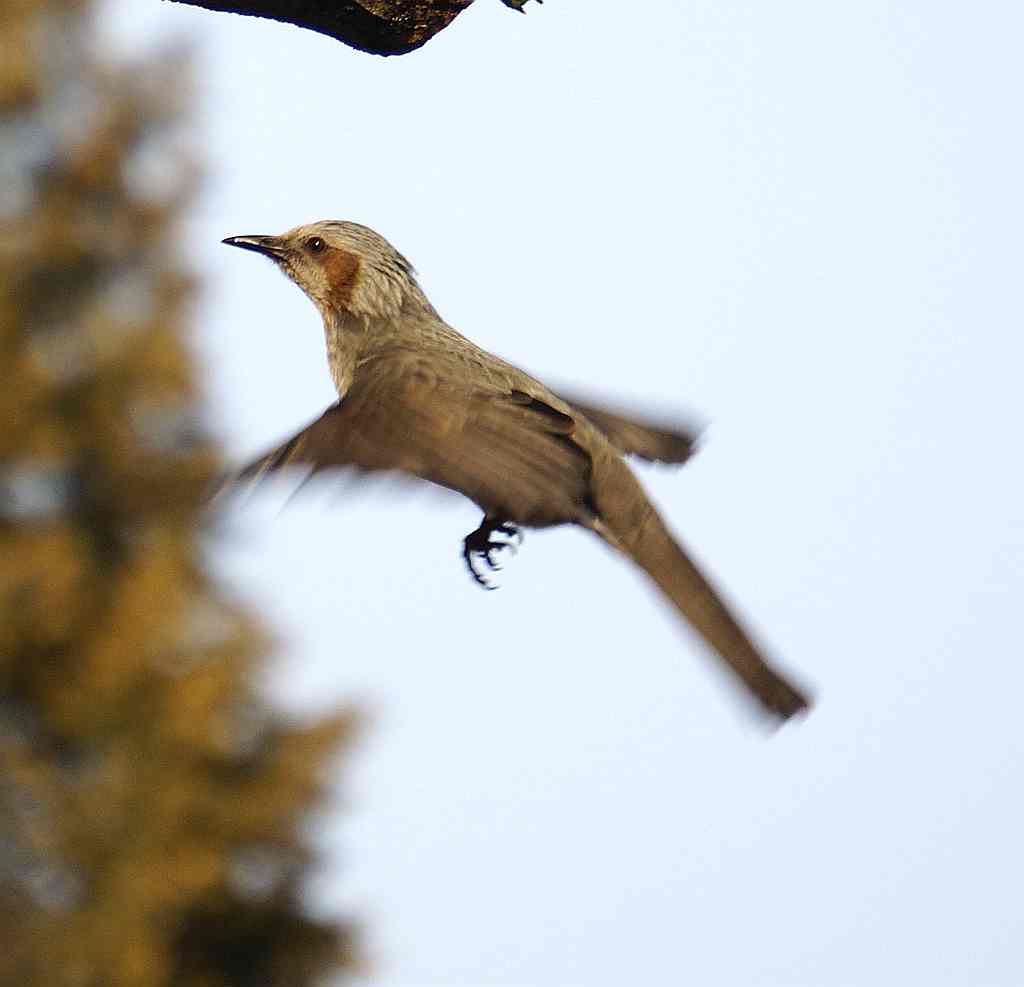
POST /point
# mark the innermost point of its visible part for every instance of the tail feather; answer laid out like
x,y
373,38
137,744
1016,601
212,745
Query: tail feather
x,y
653,548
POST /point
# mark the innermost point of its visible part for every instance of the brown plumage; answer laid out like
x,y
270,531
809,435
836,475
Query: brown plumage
x,y
418,397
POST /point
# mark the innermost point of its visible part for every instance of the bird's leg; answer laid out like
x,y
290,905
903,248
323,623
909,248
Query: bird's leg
x,y
480,547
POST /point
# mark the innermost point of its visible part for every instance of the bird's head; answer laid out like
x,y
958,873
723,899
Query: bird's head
x,y
346,269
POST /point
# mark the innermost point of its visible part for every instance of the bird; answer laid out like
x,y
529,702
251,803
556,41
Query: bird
x,y
417,397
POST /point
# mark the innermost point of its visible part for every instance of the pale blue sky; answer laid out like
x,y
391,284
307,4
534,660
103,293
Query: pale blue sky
x,y
800,221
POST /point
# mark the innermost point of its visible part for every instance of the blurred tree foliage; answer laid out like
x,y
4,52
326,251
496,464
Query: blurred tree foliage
x,y
150,803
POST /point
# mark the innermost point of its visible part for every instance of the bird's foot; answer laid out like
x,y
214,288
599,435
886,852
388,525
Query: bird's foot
x,y
482,549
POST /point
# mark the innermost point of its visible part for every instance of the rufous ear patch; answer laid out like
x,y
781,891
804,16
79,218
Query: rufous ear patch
x,y
342,270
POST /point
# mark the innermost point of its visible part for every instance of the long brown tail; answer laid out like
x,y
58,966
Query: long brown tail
x,y
641,534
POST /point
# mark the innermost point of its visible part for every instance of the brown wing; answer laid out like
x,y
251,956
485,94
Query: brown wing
x,y
658,443
510,452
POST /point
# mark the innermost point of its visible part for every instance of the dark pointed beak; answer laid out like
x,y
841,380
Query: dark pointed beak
x,y
271,246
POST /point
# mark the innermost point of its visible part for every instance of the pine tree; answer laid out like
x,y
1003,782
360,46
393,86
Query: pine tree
x,y
150,801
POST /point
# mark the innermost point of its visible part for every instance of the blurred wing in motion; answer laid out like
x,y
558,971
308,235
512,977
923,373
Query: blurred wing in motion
x,y
509,452
404,418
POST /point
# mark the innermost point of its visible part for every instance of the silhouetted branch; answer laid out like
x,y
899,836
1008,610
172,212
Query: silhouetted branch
x,y
382,27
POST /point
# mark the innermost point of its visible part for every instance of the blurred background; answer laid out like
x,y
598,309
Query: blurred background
x,y
800,224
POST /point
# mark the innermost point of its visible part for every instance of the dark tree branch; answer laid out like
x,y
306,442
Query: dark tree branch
x,y
381,27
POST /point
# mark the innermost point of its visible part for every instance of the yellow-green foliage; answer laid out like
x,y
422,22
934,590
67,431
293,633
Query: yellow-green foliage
x,y
150,803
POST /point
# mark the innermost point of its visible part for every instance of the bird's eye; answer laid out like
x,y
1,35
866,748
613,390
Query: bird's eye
x,y
315,245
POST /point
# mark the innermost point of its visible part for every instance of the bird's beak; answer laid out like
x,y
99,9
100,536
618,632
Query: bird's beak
x,y
271,246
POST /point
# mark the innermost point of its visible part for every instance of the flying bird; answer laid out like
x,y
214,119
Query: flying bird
x,y
418,397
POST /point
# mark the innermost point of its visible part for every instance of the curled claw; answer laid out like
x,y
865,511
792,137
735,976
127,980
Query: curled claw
x,y
480,548
514,533
511,546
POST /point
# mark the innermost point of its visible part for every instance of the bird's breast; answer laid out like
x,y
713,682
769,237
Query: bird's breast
x,y
341,359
